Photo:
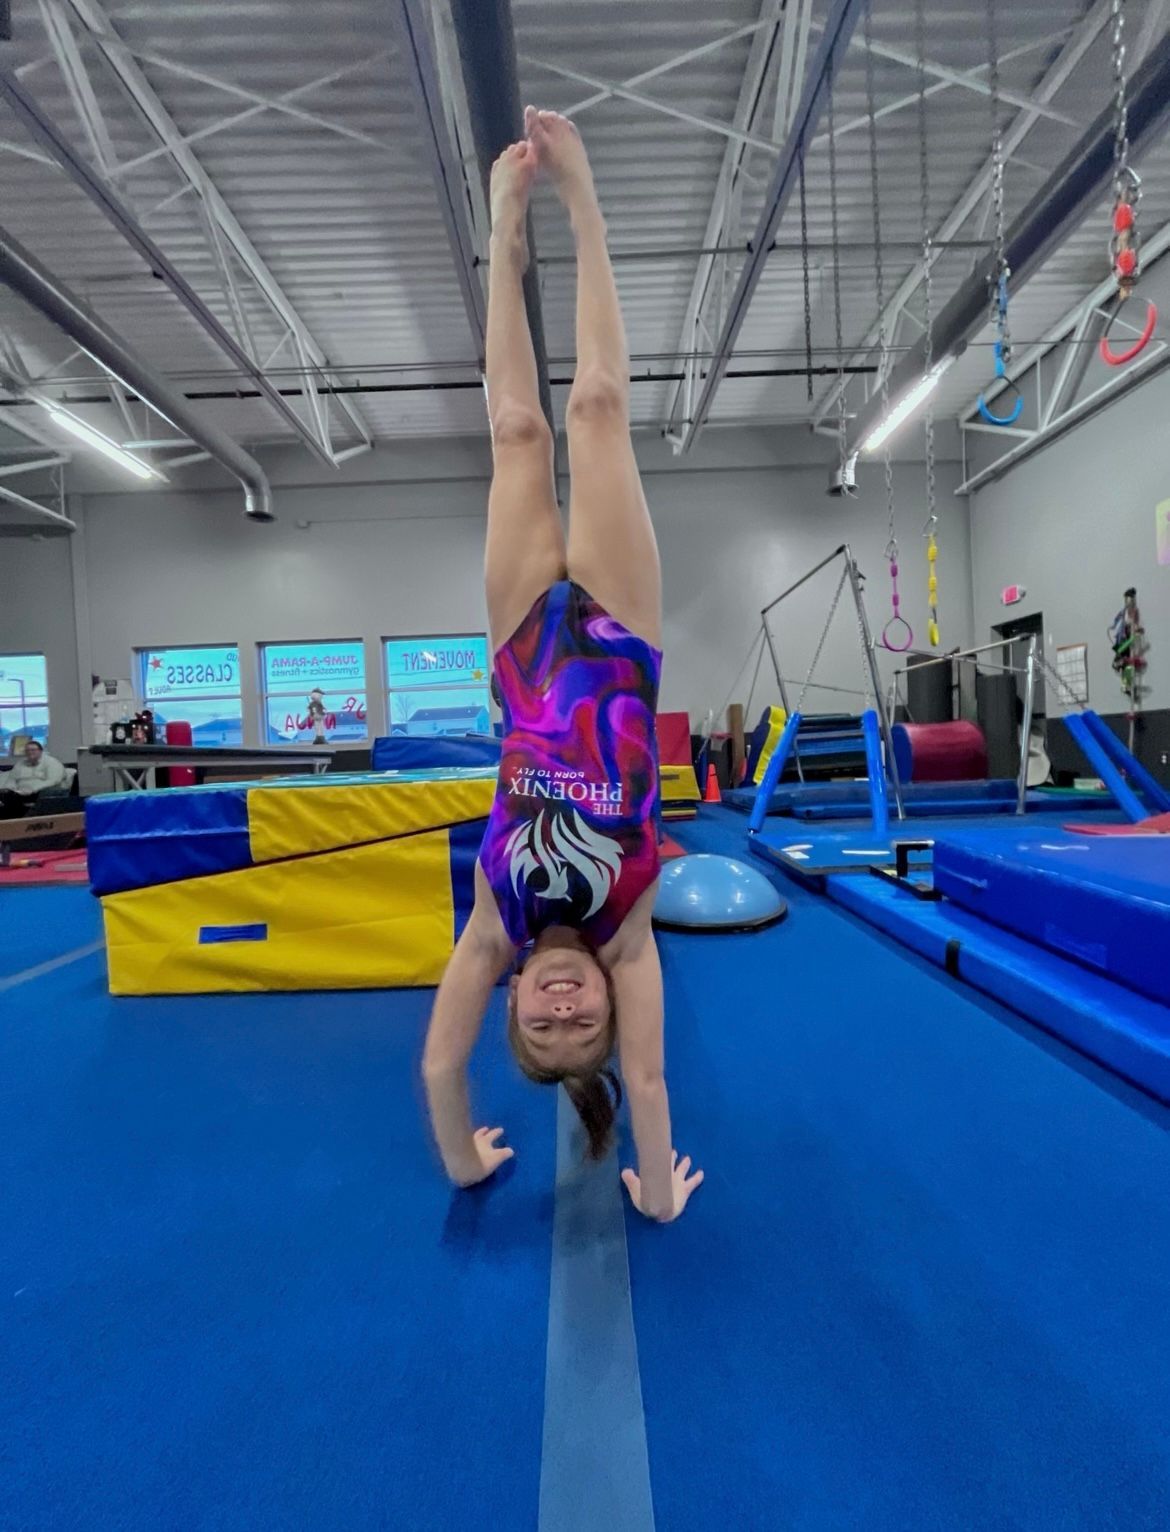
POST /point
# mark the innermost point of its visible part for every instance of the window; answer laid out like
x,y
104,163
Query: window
x,y
313,691
439,685
24,699
196,686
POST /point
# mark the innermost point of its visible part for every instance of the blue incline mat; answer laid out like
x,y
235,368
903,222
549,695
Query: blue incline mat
x,y
137,839
1103,900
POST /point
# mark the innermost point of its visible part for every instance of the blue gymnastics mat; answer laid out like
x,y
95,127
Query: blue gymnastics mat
x,y
1124,1031
1101,900
813,850
850,800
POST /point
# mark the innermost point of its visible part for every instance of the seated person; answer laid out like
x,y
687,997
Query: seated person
x,y
37,775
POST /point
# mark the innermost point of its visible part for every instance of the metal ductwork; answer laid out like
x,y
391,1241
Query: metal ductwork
x,y
25,275
487,55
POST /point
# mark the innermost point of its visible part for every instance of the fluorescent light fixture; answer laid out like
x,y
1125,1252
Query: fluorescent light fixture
x,y
100,443
906,406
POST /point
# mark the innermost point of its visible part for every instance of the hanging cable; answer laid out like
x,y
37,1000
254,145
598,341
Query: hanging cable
x,y
1125,239
930,527
897,635
844,466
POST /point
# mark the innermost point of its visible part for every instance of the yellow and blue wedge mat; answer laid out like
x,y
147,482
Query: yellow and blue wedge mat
x,y
296,884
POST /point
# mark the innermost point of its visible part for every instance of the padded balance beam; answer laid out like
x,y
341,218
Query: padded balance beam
x,y
13,831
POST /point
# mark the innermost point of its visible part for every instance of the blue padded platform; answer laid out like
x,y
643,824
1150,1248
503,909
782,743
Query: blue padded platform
x,y
420,752
139,839
850,800
812,851
1121,1030
136,839
1102,900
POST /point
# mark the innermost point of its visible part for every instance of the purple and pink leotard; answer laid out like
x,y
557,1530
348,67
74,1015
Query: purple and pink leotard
x,y
572,838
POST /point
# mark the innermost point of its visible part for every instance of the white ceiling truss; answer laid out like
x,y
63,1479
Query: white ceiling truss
x,y
336,236
67,23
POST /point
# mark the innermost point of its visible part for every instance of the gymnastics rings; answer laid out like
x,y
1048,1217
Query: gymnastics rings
x,y
892,626
984,409
1119,358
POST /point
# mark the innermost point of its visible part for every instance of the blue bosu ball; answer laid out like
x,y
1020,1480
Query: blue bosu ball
x,y
715,893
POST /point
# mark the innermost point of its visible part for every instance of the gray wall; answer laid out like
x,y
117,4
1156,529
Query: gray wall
x,y
37,616
395,545
1075,524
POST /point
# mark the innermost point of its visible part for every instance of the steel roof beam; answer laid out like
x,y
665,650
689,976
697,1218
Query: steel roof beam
x,y
33,282
102,196
664,108
1055,78
838,29
447,170
676,61
40,510
120,59
972,82
1073,188
772,18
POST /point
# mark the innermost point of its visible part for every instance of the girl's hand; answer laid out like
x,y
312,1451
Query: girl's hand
x,y
682,1184
490,1154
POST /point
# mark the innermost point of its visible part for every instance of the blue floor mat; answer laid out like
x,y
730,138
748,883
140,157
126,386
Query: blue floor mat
x,y
927,1282
238,1293
38,924
1103,900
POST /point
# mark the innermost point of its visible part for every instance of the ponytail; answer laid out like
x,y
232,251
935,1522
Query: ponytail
x,y
597,1098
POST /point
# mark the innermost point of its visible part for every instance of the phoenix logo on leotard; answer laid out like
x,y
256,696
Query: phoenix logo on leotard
x,y
554,843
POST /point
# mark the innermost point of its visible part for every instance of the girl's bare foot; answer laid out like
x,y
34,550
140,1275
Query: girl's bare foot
x,y
562,154
512,177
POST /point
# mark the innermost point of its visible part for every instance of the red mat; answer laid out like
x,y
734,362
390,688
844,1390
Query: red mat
x,y
1158,825
668,849
54,867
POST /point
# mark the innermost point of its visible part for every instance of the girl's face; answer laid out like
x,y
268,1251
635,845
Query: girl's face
x,y
562,1005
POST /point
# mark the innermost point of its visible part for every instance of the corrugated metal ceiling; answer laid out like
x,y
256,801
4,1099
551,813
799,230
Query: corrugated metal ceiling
x,y
342,210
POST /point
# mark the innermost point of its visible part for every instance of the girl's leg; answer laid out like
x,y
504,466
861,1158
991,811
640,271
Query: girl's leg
x,y
525,539
612,548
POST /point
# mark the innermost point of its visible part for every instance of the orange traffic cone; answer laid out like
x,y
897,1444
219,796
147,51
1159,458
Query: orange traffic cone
x,y
712,794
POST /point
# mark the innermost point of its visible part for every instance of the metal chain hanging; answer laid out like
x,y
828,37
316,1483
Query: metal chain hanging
x,y
1124,180
842,417
897,635
998,284
808,361
930,527
999,289
1125,238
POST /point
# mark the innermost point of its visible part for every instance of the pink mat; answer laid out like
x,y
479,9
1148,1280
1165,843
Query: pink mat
x,y
55,867
1158,825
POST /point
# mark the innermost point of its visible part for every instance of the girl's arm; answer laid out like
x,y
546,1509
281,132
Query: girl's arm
x,y
659,1188
481,955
